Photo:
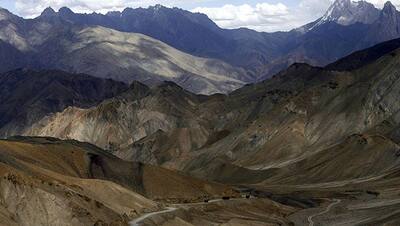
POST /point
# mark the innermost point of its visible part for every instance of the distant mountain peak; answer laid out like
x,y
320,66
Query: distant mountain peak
x,y
389,9
114,14
389,4
127,10
389,20
65,11
48,12
347,12
157,7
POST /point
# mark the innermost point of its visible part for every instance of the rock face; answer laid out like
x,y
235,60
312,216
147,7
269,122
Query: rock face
x,y
241,137
386,27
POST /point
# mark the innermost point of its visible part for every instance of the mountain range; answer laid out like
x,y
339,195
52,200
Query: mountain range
x,y
108,46
196,34
45,43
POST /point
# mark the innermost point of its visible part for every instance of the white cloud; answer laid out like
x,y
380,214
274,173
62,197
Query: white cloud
x,y
265,16
261,15
314,7
33,8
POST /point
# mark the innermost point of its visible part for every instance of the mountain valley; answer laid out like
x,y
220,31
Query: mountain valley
x,y
157,116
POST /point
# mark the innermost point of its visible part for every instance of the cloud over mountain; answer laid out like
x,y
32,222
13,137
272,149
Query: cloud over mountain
x,y
272,17
262,16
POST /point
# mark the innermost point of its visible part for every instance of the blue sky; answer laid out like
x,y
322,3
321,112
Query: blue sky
x,y
8,4
261,15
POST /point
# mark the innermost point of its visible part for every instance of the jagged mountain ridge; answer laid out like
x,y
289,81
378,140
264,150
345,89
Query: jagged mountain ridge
x,y
346,27
347,12
56,43
326,40
193,33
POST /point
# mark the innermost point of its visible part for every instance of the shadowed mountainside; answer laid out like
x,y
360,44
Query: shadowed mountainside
x,y
364,57
55,43
27,96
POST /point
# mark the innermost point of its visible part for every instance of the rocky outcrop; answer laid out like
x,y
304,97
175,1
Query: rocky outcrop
x,y
121,121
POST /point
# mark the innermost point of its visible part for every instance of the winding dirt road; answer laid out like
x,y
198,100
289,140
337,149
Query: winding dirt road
x,y
172,208
328,208
137,221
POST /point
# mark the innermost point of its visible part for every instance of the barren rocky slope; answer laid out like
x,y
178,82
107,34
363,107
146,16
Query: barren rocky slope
x,y
44,182
136,114
128,57
51,182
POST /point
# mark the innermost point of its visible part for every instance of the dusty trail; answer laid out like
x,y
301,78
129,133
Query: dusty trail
x,y
328,208
172,208
137,221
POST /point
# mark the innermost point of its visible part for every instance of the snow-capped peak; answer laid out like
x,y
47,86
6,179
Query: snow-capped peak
x,y
347,12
